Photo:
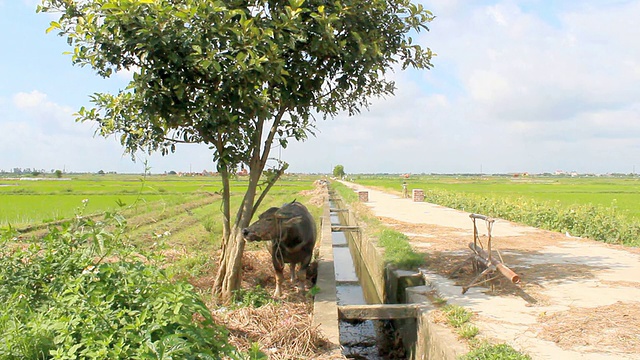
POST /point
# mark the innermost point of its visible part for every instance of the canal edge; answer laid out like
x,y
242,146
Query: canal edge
x,y
325,307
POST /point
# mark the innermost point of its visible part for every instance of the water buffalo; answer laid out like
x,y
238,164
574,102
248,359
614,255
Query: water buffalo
x,y
292,231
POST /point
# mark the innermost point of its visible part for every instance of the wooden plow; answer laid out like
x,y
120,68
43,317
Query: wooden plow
x,y
484,259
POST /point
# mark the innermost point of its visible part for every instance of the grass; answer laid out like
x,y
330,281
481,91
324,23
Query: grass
x,y
487,351
398,251
459,318
456,315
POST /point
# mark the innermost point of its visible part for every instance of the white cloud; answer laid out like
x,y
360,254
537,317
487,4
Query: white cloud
x,y
29,100
47,116
513,88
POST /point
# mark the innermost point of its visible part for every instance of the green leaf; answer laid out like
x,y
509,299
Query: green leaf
x,y
296,4
109,5
53,25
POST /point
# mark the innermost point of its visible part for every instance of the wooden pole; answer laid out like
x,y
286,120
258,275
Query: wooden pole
x,y
504,270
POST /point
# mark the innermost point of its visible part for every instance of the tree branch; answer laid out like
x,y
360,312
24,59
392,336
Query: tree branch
x,y
270,184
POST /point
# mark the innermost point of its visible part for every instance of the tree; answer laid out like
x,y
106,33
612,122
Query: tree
x,y
239,76
338,171
58,173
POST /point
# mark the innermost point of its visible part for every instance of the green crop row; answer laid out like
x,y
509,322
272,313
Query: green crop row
x,y
592,221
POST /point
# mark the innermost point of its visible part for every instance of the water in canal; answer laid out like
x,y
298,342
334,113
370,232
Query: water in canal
x,y
360,339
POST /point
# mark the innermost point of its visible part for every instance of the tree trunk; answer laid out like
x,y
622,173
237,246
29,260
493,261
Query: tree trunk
x,y
229,274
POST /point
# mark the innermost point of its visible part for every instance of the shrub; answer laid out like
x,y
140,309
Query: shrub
x,y
63,300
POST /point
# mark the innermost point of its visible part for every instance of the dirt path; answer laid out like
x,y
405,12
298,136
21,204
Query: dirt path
x,y
578,299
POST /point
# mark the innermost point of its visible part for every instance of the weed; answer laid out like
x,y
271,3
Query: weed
x,y
440,301
456,315
468,331
255,297
209,224
192,265
486,351
313,291
255,353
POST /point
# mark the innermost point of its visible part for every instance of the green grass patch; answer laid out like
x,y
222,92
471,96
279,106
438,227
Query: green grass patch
x,y
468,331
487,351
456,315
256,297
459,318
398,251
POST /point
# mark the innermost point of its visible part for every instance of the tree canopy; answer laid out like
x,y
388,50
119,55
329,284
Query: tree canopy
x,y
213,71
237,75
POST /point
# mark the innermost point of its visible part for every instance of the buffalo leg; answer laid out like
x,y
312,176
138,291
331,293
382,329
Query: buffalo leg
x,y
278,267
302,271
279,281
292,268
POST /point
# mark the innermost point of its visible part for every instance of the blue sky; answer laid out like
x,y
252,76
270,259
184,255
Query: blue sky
x,y
517,86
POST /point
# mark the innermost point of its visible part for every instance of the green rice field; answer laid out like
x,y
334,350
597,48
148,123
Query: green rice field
x,y
32,202
621,194
602,208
